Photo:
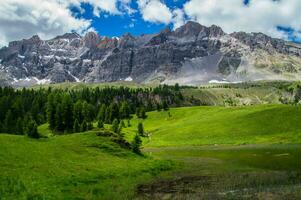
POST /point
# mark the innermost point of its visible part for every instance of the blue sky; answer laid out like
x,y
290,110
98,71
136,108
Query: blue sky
x,y
116,25
48,18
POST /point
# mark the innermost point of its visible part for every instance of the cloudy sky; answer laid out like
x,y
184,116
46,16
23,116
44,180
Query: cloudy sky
x,y
48,18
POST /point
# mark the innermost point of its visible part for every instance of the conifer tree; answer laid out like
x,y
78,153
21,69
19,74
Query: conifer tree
x,y
51,110
76,126
31,129
19,127
59,126
124,110
136,144
100,124
83,126
140,129
165,106
102,113
67,112
115,126
8,124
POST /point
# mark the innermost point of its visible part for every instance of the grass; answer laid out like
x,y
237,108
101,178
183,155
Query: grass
x,y
262,124
225,153
77,166
248,152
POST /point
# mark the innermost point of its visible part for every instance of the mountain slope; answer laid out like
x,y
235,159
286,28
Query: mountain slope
x,y
191,54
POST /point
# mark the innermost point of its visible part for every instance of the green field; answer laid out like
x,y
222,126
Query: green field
x,y
250,152
262,124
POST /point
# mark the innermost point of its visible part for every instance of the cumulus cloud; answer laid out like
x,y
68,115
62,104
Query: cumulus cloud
x,y
258,16
22,19
48,18
155,11
178,18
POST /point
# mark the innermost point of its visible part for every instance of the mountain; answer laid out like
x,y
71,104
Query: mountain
x,y
191,54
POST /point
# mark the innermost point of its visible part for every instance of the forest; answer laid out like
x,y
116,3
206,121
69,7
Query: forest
x,y
68,111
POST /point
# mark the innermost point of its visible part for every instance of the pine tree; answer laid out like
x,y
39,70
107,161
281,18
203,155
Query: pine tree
x,y
76,126
19,127
59,126
115,126
100,124
113,112
31,130
136,144
129,123
124,110
8,124
51,110
78,111
83,126
140,129
102,113
158,107
67,112
165,106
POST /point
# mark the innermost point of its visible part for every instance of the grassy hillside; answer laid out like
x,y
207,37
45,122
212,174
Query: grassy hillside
x,y
223,125
77,166
198,152
226,153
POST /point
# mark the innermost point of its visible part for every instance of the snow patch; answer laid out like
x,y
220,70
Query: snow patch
x,y
217,81
20,56
76,79
41,81
128,79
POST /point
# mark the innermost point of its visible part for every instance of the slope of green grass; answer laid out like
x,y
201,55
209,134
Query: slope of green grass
x,y
225,153
77,166
223,125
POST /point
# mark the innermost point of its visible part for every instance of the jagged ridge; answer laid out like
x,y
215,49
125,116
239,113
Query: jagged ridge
x,y
191,54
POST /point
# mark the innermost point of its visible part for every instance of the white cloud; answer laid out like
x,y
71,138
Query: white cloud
x,y
259,16
178,18
22,19
154,11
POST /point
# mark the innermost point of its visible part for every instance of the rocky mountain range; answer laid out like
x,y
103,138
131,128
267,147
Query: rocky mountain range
x,y
191,54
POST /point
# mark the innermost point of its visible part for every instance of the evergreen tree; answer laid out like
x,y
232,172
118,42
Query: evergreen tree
x,y
140,129
78,111
31,130
115,126
124,110
113,112
76,126
19,127
83,126
67,112
158,107
88,112
136,144
59,126
8,124
101,116
177,87
89,126
129,123
51,110
100,124
165,106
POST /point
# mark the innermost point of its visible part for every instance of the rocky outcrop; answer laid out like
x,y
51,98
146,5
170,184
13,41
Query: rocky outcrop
x,y
191,54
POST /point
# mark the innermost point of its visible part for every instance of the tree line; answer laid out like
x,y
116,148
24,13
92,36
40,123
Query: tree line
x,y
68,111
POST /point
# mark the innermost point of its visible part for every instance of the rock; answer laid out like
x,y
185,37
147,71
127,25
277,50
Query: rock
x,y
191,54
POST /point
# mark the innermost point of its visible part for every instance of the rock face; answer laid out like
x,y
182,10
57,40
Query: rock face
x,y
191,54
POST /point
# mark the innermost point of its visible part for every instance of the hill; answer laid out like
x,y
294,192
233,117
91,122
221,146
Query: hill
x,y
224,125
77,166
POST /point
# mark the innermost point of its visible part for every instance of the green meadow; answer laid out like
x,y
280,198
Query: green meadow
x,y
247,152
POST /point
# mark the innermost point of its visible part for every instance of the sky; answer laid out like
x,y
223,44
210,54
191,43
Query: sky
x,y
48,18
